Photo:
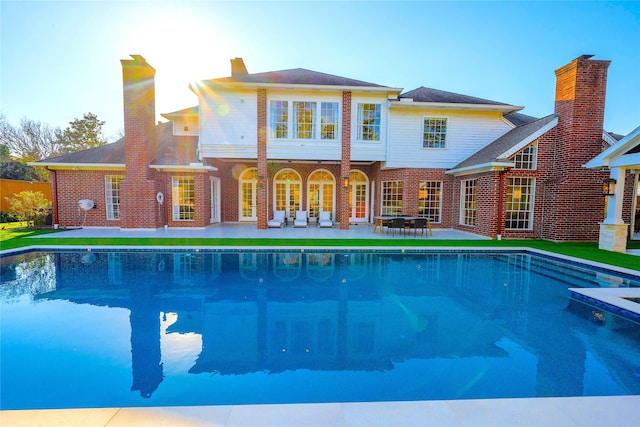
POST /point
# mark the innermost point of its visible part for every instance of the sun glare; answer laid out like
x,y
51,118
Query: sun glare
x,y
183,48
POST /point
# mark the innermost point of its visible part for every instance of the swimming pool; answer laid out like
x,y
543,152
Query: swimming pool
x,y
195,327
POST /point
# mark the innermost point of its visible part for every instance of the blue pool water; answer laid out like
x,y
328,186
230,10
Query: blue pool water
x,y
116,329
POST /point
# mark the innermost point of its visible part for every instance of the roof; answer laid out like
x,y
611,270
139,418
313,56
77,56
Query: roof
x,y
168,150
296,76
191,111
625,153
519,119
506,145
425,94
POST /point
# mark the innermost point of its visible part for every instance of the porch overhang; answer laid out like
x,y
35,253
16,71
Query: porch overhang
x,y
481,168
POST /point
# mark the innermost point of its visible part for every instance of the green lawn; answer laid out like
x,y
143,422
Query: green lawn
x,y
17,238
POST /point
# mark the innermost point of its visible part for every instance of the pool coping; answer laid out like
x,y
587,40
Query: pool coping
x,y
551,411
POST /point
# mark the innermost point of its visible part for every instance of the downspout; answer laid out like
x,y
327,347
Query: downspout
x,y
501,178
54,195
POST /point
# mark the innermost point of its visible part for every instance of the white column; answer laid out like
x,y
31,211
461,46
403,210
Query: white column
x,y
614,203
613,230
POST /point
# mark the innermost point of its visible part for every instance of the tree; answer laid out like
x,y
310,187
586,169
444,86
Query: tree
x,y
81,134
13,169
31,206
29,141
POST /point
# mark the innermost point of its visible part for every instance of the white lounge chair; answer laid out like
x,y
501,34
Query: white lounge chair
x,y
324,220
278,220
301,219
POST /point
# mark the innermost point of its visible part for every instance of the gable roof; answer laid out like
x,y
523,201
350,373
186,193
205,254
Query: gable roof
x,y
497,153
166,150
426,94
297,76
625,153
519,119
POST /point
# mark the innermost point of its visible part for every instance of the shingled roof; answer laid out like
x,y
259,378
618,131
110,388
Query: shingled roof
x,y
168,150
296,76
498,149
426,94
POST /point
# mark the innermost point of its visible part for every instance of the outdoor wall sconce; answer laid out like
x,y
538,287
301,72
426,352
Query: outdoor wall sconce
x,y
608,187
261,181
345,182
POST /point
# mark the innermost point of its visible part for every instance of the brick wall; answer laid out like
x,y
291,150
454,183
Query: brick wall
x,y
574,204
138,190
342,209
262,189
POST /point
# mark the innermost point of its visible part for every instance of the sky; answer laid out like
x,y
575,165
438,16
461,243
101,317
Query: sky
x,y
60,60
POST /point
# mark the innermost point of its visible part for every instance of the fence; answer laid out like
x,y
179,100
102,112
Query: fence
x,y
9,187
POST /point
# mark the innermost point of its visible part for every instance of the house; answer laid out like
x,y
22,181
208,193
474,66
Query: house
x,y
303,140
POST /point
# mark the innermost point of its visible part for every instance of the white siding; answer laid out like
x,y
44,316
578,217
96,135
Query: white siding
x,y
369,150
304,149
467,132
228,121
186,126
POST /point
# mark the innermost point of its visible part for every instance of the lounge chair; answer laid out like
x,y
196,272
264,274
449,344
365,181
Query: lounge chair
x,y
301,219
324,220
278,220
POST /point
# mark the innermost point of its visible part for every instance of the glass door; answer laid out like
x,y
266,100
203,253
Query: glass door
x,y
248,186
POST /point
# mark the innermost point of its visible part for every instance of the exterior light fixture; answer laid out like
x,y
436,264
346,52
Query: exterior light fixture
x,y
608,187
261,181
345,182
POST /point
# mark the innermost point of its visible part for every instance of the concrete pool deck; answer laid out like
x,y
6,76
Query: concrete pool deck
x,y
619,411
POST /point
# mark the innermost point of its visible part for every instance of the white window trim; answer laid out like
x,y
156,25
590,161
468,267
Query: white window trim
x,y
108,195
383,206
439,198
531,210
175,207
291,120
463,187
358,123
446,137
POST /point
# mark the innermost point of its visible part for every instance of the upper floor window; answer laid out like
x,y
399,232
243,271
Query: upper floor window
x,y
112,195
303,119
369,122
434,132
329,120
527,158
279,112
299,119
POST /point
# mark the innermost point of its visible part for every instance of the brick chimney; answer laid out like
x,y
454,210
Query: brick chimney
x,y
138,190
238,68
574,193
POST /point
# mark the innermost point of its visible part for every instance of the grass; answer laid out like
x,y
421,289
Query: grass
x,y
16,238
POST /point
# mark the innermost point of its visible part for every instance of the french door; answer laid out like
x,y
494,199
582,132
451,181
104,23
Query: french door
x,y
248,190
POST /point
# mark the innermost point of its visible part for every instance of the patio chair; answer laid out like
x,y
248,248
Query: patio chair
x,y
396,224
324,220
278,220
301,219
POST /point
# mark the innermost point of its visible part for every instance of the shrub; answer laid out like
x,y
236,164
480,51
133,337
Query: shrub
x,y
6,216
30,206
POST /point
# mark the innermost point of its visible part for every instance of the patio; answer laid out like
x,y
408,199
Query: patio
x,y
250,230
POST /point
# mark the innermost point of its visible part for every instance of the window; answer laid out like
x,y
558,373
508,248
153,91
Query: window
x,y
112,195
369,122
430,200
468,198
434,132
391,198
527,158
329,120
519,210
279,119
182,197
303,119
